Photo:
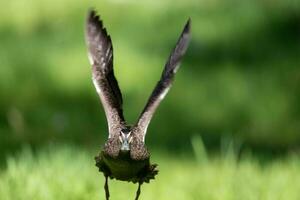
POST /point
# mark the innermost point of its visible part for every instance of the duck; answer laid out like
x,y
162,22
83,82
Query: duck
x,y
124,155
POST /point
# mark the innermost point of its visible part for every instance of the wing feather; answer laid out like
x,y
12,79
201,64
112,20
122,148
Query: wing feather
x,y
165,82
100,51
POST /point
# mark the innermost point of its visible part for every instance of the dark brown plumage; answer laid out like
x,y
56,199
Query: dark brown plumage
x,y
125,156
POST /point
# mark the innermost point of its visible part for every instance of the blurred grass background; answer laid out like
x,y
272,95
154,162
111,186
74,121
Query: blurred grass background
x,y
67,172
238,89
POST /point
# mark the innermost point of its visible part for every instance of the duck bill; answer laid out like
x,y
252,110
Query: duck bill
x,y
125,146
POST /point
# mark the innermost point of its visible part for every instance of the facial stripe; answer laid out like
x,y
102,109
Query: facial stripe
x,y
125,137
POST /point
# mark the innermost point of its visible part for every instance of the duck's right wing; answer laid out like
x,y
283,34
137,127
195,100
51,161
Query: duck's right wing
x,y
101,58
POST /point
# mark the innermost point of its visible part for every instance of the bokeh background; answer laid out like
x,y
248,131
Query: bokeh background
x,y
228,129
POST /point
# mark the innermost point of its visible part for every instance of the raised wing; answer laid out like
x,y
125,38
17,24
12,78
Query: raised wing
x,y
100,53
165,81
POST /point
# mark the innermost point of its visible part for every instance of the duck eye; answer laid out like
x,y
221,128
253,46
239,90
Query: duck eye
x,y
130,139
129,134
120,138
123,135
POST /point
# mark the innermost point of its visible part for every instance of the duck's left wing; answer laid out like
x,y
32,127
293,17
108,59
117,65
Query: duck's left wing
x,y
165,82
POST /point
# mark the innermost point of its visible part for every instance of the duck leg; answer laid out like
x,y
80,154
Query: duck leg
x,y
138,192
106,188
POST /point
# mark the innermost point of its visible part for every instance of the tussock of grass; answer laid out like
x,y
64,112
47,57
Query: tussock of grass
x,y
67,172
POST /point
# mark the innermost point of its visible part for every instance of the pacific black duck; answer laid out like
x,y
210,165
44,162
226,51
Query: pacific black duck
x,y
125,156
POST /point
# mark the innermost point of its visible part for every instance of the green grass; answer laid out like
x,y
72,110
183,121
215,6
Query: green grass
x,y
68,172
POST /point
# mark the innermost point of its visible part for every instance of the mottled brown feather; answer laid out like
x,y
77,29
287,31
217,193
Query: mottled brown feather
x,y
101,58
165,81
